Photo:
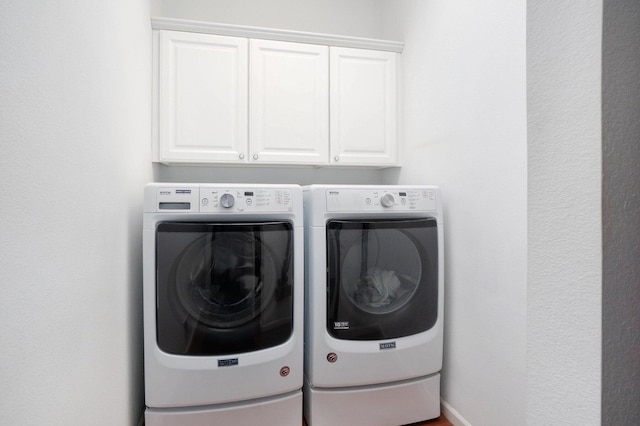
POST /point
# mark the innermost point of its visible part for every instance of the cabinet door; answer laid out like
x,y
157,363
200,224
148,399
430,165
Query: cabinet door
x,y
363,107
203,98
289,89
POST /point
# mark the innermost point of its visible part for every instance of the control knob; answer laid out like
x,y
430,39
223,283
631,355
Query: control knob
x,y
387,200
227,201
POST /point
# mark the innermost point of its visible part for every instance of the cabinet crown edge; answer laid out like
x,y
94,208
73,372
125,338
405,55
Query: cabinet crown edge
x,y
158,23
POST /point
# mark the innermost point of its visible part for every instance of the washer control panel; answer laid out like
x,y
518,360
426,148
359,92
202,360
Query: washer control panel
x,y
354,200
218,199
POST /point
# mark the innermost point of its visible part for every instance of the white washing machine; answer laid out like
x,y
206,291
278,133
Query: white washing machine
x,y
374,304
223,304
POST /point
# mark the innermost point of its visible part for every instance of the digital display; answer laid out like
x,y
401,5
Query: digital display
x,y
174,206
403,194
248,193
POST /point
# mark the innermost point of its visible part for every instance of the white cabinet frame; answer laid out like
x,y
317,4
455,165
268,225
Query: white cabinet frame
x,y
245,95
202,94
363,107
289,103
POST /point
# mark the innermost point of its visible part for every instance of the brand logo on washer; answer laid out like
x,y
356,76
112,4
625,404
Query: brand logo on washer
x,y
341,325
387,345
227,362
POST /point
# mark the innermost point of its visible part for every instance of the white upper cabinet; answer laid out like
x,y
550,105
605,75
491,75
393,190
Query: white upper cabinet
x,y
242,95
202,98
289,103
363,107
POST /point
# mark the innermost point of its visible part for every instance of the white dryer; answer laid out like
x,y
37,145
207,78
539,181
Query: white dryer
x,y
223,304
374,304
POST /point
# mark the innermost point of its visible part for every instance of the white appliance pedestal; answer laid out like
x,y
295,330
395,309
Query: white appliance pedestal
x,y
396,403
282,410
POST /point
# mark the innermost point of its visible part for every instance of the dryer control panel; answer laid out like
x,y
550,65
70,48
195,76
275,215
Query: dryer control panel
x,y
349,200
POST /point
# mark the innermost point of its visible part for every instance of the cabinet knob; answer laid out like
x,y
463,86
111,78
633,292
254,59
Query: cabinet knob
x,y
255,156
336,158
241,156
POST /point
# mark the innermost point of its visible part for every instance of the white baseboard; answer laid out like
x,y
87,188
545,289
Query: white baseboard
x,y
452,415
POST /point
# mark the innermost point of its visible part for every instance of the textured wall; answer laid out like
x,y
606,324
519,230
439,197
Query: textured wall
x,y
621,214
464,124
564,212
75,135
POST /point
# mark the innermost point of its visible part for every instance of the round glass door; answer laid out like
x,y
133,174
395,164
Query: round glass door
x,y
381,270
224,282
223,288
382,278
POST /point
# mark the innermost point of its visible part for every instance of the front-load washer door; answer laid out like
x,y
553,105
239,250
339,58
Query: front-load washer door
x,y
223,288
382,278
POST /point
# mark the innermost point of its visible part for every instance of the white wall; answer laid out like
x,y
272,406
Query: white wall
x,y
75,135
359,18
564,54
464,129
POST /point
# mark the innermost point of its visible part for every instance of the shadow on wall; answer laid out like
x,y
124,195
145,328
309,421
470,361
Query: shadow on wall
x,y
275,174
135,322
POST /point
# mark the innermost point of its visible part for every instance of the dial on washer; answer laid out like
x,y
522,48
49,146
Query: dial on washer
x,y
227,201
387,200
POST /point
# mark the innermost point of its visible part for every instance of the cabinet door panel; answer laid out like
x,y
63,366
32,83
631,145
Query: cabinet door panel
x,y
363,107
203,97
289,88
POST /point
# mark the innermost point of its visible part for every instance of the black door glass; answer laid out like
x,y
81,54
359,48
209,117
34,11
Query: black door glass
x,y
382,278
223,288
